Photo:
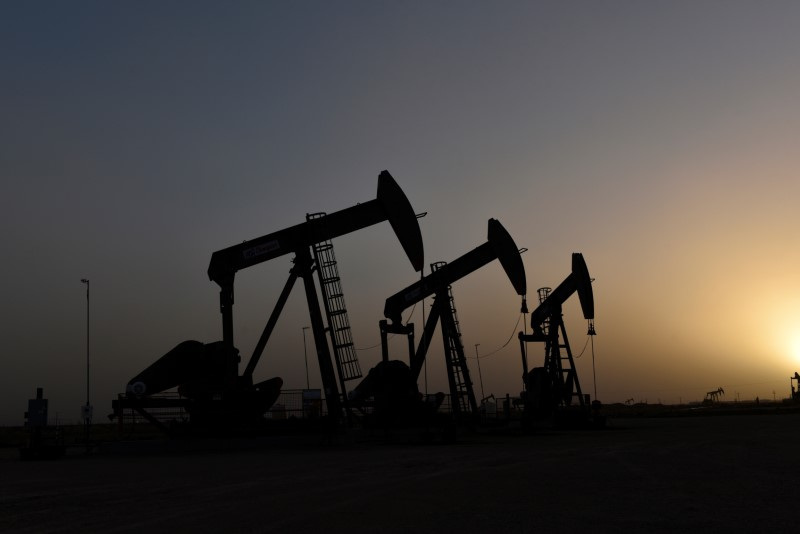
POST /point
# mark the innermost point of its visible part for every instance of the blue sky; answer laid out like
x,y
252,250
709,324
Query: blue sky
x,y
658,139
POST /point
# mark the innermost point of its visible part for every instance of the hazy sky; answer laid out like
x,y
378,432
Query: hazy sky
x,y
657,138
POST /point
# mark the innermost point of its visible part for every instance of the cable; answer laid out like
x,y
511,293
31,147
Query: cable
x,y
584,347
594,374
506,343
372,346
524,345
414,307
424,340
391,335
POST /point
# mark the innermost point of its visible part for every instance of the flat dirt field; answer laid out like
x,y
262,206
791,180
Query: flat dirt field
x,y
736,473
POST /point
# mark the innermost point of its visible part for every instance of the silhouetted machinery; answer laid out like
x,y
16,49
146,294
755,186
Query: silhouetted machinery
x,y
554,388
713,396
43,442
392,384
207,375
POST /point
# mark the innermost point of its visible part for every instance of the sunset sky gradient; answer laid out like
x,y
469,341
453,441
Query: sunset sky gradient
x,y
660,139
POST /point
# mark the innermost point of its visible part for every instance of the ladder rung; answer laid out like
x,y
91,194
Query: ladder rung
x,y
357,375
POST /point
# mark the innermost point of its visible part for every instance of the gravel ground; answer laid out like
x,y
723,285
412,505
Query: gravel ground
x,y
710,474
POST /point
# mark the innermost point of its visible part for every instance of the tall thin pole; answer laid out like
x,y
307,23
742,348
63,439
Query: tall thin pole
x,y
480,376
305,356
86,281
87,414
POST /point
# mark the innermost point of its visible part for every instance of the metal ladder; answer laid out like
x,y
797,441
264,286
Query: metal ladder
x,y
341,336
463,400
559,362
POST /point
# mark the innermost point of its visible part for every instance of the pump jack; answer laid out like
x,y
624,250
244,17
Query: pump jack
x,y
394,378
207,375
551,389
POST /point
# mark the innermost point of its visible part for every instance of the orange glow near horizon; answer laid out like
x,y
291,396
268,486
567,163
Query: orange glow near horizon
x,y
659,143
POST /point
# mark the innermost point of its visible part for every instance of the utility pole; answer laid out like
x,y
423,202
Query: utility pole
x,y
87,410
480,376
305,356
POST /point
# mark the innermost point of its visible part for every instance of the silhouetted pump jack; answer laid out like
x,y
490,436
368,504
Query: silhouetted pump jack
x,y
385,380
207,374
552,388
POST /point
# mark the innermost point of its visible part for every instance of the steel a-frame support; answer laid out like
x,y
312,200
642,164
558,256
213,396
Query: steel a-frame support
x,y
454,352
559,366
304,268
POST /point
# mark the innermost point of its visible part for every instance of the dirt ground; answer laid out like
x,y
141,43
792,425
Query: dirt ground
x,y
710,474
